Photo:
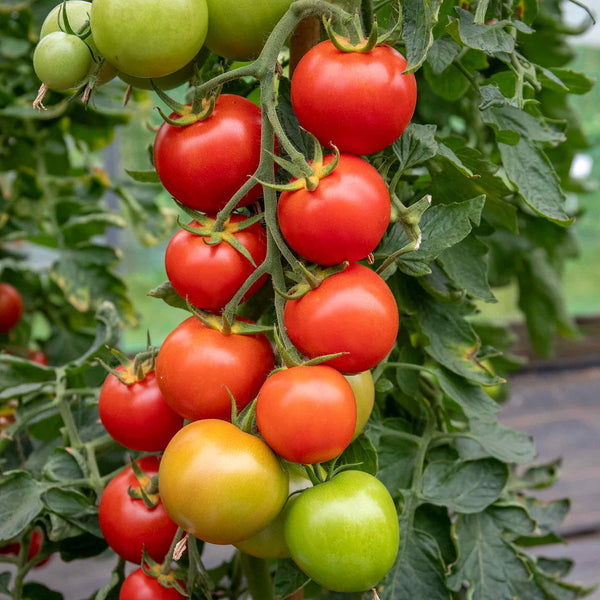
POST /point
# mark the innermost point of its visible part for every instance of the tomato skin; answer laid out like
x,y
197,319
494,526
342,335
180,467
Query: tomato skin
x,y
221,484
364,392
238,29
331,91
209,276
343,219
196,365
127,524
137,415
204,164
306,414
11,307
37,356
344,533
149,38
139,586
353,311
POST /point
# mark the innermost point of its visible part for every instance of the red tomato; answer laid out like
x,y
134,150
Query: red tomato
x,y
353,311
306,414
343,219
197,365
137,415
139,586
11,307
204,164
37,356
360,102
209,276
128,524
35,545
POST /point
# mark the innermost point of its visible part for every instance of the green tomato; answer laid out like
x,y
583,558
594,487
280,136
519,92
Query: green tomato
x,y
344,533
270,542
149,38
78,14
61,61
364,391
238,29
168,82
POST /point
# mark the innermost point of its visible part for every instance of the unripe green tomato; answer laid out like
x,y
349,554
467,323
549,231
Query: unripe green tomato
x,y
78,14
220,484
149,38
61,61
270,542
344,533
168,82
364,391
238,29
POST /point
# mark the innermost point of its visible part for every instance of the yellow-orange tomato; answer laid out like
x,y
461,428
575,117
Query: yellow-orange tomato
x,y
220,484
364,391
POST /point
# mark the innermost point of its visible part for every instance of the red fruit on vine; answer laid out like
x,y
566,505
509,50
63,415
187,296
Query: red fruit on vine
x,y
360,102
11,307
204,164
139,586
208,276
343,219
135,413
127,523
199,369
353,312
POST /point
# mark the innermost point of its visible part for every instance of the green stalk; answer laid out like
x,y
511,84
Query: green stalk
x,y
258,577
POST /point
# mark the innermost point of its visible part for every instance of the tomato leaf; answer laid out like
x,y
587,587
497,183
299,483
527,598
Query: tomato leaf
x,y
20,504
288,578
418,19
361,453
143,176
464,487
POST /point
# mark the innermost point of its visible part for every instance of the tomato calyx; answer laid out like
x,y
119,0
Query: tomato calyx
x,y
311,278
205,226
224,325
188,114
308,177
148,488
289,361
132,371
167,577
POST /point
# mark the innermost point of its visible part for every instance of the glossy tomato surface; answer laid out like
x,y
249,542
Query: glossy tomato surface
x,y
198,366
127,524
204,164
343,219
238,29
221,484
149,38
353,311
209,276
137,415
360,102
306,414
11,307
364,392
344,534
139,586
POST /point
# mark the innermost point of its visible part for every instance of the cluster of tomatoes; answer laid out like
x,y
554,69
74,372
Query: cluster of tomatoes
x,y
144,40
215,480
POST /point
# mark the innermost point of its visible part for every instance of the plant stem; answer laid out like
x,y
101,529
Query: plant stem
x,y
166,566
258,577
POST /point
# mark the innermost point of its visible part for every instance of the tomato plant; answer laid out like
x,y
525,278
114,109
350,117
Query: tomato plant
x,y
134,412
210,275
229,142
353,312
149,38
139,586
358,101
344,533
11,307
199,367
343,219
220,484
306,414
127,523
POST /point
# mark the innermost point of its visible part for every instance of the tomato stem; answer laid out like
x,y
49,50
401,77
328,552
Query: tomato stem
x,y
256,571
